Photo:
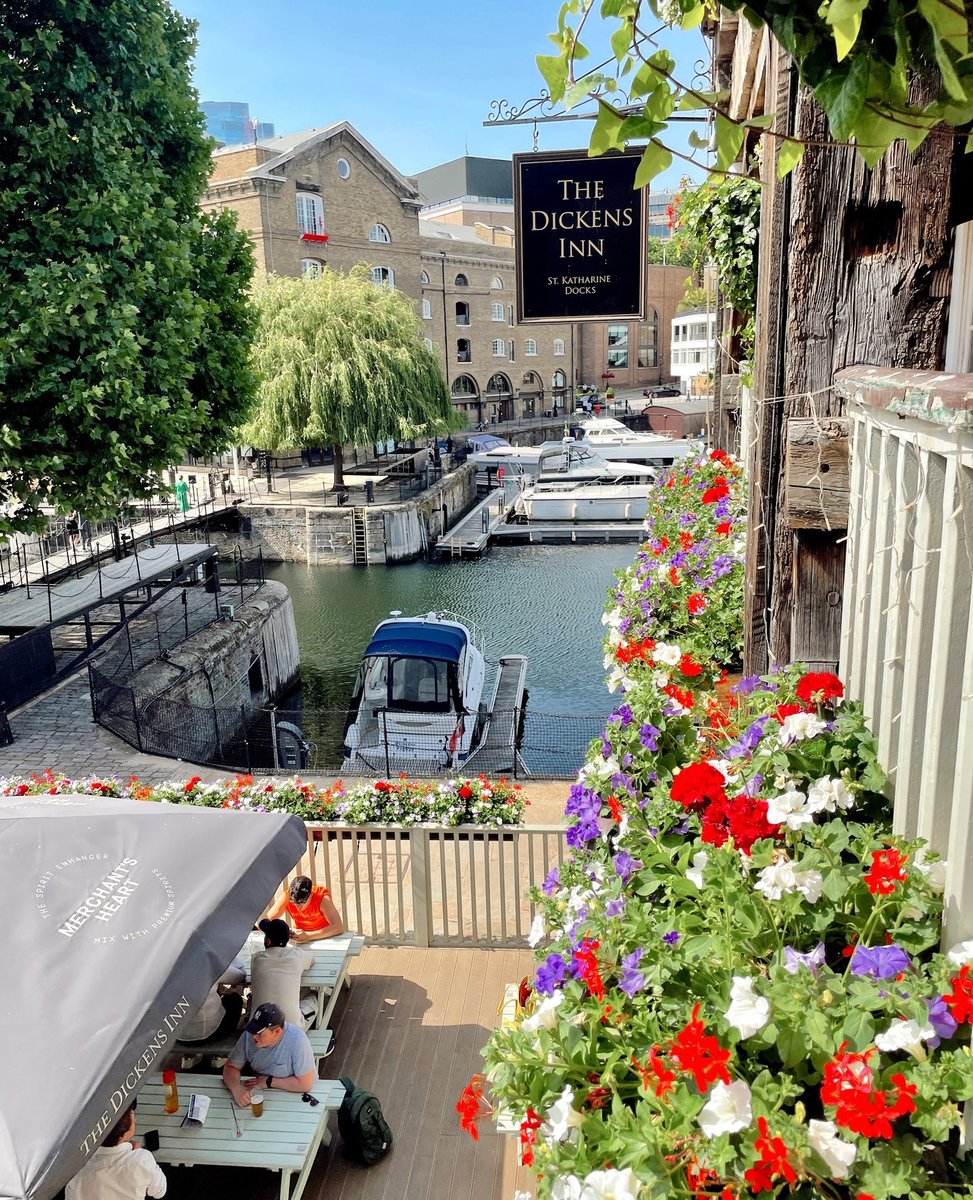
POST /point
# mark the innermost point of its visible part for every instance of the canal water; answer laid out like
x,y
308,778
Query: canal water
x,y
544,601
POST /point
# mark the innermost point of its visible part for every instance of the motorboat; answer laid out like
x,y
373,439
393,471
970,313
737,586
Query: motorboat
x,y
613,440
418,698
496,464
574,483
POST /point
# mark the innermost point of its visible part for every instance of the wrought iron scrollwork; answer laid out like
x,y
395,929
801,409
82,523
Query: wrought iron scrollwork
x,y
502,111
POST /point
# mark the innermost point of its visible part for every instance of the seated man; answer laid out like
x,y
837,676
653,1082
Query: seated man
x,y
275,975
219,1014
118,1168
278,1053
310,909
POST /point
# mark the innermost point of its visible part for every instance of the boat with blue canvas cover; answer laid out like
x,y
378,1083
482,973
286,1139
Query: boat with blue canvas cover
x,y
418,701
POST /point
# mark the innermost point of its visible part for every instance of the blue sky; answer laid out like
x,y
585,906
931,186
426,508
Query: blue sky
x,y
417,80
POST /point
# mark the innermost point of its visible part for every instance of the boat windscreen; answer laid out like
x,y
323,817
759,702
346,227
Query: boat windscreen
x,y
420,684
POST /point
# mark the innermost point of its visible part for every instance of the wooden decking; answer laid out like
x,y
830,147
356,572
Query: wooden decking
x,y
410,1029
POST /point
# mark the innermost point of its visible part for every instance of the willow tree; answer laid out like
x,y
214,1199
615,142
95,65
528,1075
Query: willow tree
x,y
341,362
124,312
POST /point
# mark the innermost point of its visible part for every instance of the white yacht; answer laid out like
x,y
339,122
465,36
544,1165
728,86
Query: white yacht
x,y
613,440
574,483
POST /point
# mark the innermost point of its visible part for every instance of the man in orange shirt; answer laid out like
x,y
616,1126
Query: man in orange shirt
x,y
310,909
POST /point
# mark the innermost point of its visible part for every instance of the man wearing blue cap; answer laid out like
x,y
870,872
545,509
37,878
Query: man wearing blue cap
x,y
276,1052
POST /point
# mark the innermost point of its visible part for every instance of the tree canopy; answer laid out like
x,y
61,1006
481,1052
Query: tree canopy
x,y
124,318
342,361
858,57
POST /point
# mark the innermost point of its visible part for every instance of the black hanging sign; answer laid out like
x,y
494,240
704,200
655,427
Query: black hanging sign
x,y
581,228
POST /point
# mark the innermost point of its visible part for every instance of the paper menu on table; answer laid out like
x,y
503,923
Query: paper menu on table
x,y
198,1108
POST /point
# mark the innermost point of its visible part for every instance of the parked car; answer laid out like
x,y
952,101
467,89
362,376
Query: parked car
x,y
656,393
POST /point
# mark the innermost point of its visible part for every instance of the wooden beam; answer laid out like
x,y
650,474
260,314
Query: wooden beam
x,y
818,492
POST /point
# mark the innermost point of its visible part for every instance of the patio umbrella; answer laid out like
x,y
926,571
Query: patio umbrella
x,y
119,915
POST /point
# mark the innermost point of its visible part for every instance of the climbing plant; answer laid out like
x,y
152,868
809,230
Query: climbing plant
x,y
858,57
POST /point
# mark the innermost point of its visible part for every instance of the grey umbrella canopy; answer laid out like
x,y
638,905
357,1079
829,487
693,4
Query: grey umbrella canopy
x,y
119,916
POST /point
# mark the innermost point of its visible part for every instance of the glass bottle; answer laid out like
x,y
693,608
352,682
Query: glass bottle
x,y
170,1092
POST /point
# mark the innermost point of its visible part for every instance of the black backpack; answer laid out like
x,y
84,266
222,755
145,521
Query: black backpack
x,y
362,1126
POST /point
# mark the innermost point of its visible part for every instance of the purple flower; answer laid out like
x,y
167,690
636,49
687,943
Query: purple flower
x,y
679,559
671,937
747,685
682,827
625,865
881,962
687,519
722,565
606,748
723,508
552,882
796,960
752,786
941,1019
615,908
624,714
551,973
625,624
648,735
631,979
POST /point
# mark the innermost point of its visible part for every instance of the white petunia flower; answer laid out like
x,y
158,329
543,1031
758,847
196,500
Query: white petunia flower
x,y
790,809
566,1187
537,930
748,1011
934,872
612,617
780,878
800,726
837,1153
563,1117
727,1110
905,1035
828,795
810,884
544,1015
670,655
611,1185
961,953
661,679
695,872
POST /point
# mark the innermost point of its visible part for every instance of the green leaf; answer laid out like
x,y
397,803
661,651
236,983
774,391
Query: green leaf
x,y
951,80
845,19
621,41
948,23
604,136
842,96
729,141
858,1029
554,68
655,159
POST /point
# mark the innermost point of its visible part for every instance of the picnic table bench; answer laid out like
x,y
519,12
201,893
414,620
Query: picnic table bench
x,y
285,1139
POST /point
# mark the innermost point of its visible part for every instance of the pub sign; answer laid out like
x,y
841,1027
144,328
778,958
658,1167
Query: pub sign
x,y
581,227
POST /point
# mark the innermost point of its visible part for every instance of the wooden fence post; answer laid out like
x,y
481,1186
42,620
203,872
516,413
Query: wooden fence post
x,y
421,885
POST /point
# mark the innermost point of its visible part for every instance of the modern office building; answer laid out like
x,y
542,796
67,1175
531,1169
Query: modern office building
x,y
229,121
693,348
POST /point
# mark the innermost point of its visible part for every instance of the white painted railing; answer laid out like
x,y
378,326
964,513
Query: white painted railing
x,y
907,645
434,885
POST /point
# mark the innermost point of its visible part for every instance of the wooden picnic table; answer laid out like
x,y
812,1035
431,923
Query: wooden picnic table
x,y
285,1139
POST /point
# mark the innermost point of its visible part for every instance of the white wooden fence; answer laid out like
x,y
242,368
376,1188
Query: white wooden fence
x,y
907,646
434,885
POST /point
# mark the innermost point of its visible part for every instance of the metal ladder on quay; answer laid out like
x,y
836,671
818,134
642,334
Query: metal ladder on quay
x,y
359,536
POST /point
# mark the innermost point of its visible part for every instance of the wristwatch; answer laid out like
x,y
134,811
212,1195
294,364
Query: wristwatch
x,y
270,1083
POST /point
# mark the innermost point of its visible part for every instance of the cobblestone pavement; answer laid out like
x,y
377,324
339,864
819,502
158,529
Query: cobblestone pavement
x,y
57,730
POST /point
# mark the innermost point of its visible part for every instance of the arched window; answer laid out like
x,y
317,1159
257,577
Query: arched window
x,y
379,233
424,277
497,283
530,347
617,346
463,352
560,379
499,385
558,346
462,313
310,214
426,309
497,312
383,275
312,268
429,345
499,348
463,385
461,281
649,340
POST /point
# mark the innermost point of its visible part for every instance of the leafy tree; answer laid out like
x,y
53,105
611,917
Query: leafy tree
x,y
342,362
858,57
124,318
670,253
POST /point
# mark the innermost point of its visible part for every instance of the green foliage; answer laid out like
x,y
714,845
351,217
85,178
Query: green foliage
x,y
342,361
694,298
859,57
124,323
669,252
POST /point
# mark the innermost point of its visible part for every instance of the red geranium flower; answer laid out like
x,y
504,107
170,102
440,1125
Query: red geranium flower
x,y
715,493
886,872
960,999
788,710
725,527
686,539
466,792
673,576
528,1137
700,1053
719,456
697,785
472,1106
774,1160
588,969
696,603
655,1074
680,695
743,819
689,666
820,687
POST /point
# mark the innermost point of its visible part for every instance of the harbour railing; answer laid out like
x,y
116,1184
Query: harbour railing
x,y
434,885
